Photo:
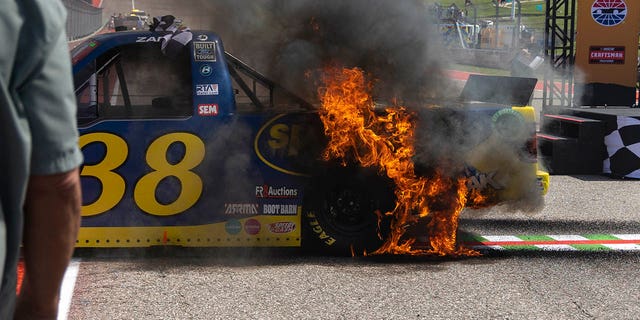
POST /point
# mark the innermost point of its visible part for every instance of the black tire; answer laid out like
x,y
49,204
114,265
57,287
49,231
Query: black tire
x,y
339,212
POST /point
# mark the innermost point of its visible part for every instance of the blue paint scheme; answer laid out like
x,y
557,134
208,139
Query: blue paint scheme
x,y
231,170
245,152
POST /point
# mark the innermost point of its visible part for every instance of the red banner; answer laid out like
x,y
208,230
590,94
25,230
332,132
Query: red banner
x,y
606,55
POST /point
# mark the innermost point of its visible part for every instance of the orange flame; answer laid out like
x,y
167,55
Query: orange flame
x,y
357,133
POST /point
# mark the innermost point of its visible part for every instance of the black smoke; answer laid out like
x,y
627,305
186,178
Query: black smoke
x,y
396,43
291,41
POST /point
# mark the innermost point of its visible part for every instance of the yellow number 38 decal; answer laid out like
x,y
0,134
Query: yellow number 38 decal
x,y
144,191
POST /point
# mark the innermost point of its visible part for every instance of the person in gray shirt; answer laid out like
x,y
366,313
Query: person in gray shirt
x,y
40,195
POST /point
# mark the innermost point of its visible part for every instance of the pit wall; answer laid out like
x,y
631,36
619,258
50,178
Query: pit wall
x,y
487,58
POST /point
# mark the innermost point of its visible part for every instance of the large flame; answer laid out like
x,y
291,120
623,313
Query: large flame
x,y
386,141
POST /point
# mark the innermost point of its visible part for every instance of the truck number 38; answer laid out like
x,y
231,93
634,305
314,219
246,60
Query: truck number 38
x,y
113,184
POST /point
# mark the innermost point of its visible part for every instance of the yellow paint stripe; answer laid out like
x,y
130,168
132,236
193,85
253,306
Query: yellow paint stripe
x,y
209,235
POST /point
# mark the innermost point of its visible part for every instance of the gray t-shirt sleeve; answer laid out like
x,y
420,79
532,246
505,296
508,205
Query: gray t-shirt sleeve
x,y
50,105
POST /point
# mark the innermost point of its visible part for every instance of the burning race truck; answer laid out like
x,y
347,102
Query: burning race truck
x,y
198,149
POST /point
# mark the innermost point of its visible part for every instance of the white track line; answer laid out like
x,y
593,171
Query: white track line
x,y
66,291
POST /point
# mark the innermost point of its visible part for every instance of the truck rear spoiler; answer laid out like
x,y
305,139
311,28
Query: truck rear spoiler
x,y
513,91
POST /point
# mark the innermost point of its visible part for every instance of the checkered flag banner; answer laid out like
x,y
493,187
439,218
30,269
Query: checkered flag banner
x,y
623,149
173,43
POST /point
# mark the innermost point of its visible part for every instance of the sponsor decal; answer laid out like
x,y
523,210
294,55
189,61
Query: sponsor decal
x,y
233,227
540,184
480,181
148,39
282,227
509,124
202,37
267,191
240,208
288,143
208,109
317,229
609,13
280,209
210,89
252,226
204,51
606,55
206,70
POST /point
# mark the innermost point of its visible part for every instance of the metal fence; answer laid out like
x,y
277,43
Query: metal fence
x,y
83,19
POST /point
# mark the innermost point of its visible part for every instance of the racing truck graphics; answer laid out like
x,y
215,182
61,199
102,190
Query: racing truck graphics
x,y
201,150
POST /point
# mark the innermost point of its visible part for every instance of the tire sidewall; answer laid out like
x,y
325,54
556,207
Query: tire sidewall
x,y
324,233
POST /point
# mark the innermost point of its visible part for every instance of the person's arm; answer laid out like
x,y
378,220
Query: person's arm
x,y
52,214
53,199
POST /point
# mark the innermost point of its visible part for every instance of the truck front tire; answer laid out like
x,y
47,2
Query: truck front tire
x,y
341,210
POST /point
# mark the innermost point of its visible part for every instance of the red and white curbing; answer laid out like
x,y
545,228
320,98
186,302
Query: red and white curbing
x,y
590,242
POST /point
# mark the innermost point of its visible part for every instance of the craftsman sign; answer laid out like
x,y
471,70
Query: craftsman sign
x,y
606,55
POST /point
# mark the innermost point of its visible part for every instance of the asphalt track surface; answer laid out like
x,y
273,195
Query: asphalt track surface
x,y
178,283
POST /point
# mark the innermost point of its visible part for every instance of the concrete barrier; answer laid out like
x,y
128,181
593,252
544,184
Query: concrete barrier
x,y
487,58
82,19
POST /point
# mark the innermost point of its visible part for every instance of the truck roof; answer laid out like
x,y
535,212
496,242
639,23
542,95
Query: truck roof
x,y
100,43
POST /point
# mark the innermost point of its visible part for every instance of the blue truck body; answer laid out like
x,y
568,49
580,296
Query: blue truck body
x,y
174,155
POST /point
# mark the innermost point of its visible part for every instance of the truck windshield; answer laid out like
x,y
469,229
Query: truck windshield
x,y
132,82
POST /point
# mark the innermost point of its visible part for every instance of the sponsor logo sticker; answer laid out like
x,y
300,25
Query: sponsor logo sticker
x,y
280,209
240,208
148,39
481,180
252,226
210,89
282,227
206,70
267,191
233,227
204,51
207,110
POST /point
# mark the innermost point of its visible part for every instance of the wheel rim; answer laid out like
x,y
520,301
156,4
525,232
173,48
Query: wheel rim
x,y
348,210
